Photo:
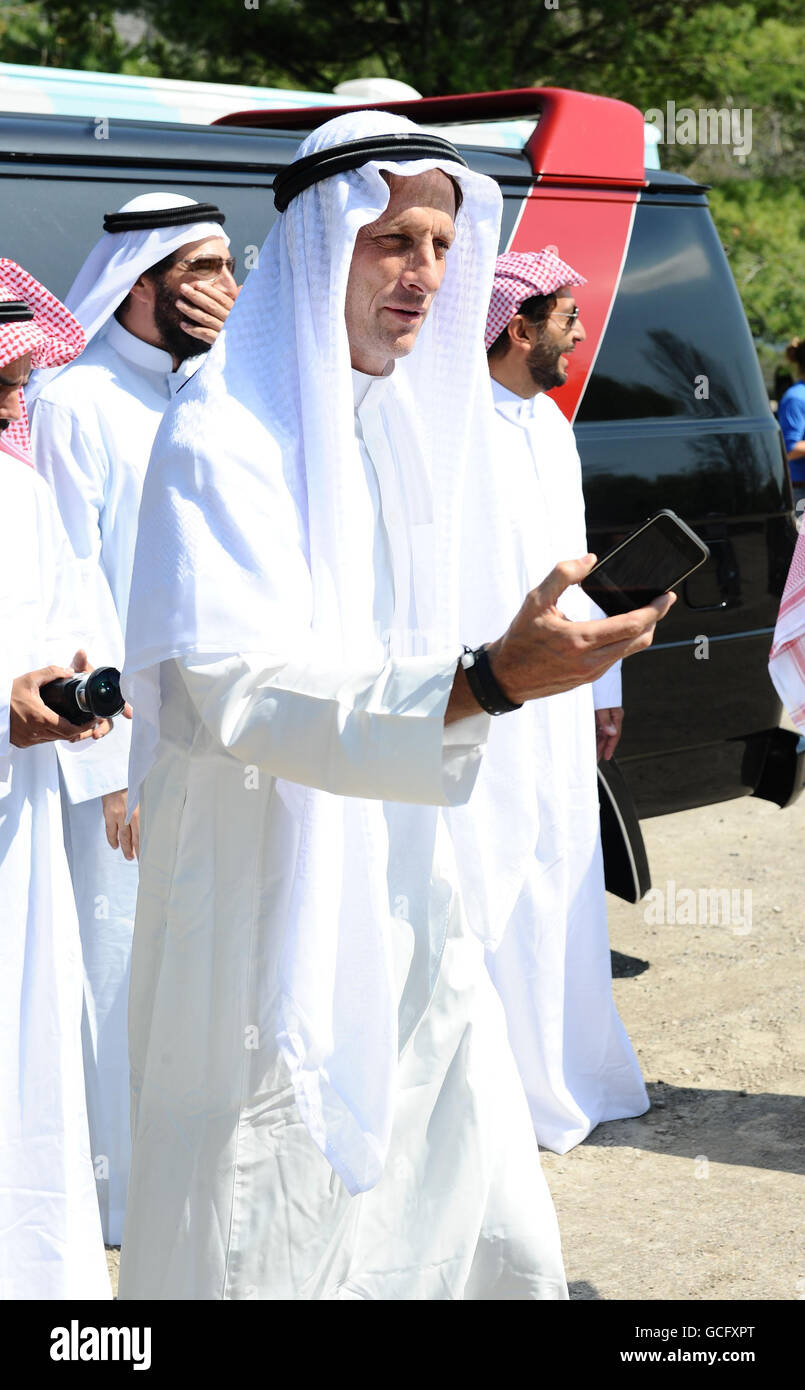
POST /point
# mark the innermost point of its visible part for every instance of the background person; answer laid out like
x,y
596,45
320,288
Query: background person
x,y
791,416
152,296
51,1243
552,967
787,656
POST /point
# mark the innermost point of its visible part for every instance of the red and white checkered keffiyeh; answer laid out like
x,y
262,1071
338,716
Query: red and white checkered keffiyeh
x,y
52,337
518,276
787,657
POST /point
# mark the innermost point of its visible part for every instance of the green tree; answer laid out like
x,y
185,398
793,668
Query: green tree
x,y
748,55
63,35
761,223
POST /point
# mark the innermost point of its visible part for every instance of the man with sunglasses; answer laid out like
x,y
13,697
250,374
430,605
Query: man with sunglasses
x,y
552,967
152,297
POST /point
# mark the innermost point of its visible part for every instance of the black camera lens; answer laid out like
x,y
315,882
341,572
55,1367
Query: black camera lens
x,y
81,699
102,692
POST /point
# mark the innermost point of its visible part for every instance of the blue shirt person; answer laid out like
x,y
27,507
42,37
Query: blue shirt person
x,y
791,415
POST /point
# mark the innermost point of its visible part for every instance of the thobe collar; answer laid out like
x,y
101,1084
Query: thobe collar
x,y
512,407
148,358
362,383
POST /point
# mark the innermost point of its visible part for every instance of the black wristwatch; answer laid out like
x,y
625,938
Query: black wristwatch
x,y
482,683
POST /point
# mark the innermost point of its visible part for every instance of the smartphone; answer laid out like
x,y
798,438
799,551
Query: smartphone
x,y
651,561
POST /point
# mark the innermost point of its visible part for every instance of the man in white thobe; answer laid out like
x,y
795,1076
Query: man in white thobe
x,y
552,966
325,1102
152,296
787,655
50,1235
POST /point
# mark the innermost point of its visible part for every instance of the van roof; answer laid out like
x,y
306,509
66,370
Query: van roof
x,y
496,120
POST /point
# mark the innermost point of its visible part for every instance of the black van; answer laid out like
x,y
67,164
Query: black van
x,y
669,406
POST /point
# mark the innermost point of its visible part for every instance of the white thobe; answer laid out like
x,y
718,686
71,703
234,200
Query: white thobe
x,y
92,429
229,1196
50,1236
552,967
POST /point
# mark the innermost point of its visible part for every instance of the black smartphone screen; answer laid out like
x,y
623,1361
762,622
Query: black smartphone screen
x,y
645,565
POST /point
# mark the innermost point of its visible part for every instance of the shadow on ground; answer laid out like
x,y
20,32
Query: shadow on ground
x,y
754,1131
626,967
581,1291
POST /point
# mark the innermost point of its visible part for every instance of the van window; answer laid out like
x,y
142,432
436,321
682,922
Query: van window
x,y
677,342
50,225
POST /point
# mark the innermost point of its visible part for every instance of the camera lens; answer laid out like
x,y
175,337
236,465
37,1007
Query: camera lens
x,y
102,694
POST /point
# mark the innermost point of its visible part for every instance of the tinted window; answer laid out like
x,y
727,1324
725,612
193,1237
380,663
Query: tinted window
x,y
677,317
49,225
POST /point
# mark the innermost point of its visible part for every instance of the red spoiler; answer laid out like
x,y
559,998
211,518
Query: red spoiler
x,y
579,137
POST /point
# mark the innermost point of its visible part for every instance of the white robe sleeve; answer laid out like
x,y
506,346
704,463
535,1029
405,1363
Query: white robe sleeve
x,y
607,690
96,766
76,473
562,483
377,734
81,613
6,681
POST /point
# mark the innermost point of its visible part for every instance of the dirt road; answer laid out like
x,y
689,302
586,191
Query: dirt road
x,y
703,1197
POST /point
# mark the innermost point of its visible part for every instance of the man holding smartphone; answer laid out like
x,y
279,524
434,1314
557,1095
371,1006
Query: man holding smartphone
x,y
552,967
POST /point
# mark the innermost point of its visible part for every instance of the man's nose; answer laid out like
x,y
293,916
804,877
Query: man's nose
x,y
579,332
424,272
227,281
10,408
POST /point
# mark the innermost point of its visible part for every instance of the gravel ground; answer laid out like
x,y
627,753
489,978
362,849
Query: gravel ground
x,y
703,1197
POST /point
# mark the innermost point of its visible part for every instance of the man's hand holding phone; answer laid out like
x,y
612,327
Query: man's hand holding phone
x,y
655,558
543,652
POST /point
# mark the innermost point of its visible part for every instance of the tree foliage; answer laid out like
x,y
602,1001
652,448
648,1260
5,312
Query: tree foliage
x,y
761,223
746,54
62,35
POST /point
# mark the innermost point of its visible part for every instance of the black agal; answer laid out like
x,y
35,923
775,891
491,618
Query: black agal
x,y
338,158
145,220
15,311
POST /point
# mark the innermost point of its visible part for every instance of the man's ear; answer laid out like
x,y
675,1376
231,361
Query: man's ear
x,y
142,290
518,333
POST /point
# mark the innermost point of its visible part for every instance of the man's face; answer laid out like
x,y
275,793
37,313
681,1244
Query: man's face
x,y
397,266
12,377
555,339
168,317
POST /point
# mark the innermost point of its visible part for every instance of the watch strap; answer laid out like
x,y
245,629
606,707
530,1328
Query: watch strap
x,y
482,683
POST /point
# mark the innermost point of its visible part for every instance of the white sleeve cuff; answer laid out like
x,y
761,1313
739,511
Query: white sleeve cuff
x,y
607,690
371,733
5,730
463,744
96,766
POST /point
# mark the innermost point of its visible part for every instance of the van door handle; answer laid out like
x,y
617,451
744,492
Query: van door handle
x,y
703,607
725,574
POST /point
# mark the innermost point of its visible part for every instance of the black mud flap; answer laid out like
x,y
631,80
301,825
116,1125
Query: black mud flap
x,y
626,871
774,765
